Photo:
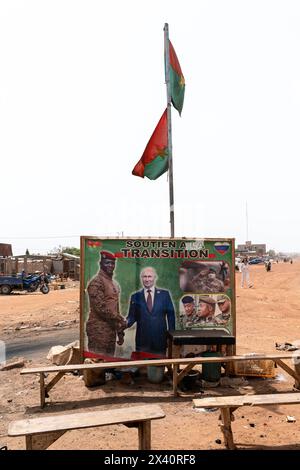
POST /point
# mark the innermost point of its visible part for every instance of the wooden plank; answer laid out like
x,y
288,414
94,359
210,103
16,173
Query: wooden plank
x,y
184,372
144,431
176,351
54,381
84,420
155,362
248,400
287,369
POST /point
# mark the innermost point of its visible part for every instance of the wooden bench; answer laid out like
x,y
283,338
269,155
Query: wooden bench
x,y
178,375
229,404
40,433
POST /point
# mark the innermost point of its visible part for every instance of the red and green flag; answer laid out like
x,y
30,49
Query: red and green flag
x,y
93,243
177,83
154,161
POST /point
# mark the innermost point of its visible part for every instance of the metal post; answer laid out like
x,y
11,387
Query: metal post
x,y
170,159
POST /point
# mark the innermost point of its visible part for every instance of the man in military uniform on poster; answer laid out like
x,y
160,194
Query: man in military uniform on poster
x,y
224,306
199,281
206,310
190,315
213,283
105,323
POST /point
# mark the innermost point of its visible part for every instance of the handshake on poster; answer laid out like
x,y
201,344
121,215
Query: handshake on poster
x,y
121,332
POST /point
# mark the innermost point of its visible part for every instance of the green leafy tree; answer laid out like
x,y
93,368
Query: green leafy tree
x,y
72,250
27,252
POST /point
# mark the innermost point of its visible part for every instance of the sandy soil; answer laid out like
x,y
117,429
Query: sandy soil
x,y
20,311
267,313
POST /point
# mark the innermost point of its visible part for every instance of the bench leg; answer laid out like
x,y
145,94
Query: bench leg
x,y
293,373
145,435
42,441
175,379
297,378
229,352
45,389
28,442
226,428
54,381
42,389
183,373
169,348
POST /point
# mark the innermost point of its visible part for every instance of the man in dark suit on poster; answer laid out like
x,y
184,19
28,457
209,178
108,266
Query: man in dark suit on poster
x,y
153,312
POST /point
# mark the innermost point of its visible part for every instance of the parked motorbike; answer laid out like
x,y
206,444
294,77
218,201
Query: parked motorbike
x,y
28,283
44,287
35,281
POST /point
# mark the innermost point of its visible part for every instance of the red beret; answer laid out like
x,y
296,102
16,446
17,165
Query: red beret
x,y
107,255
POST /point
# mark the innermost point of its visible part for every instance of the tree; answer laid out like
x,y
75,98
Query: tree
x,y
272,253
27,252
56,250
72,250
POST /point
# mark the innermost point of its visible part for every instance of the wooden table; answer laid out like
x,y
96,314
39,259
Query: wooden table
x,y
209,336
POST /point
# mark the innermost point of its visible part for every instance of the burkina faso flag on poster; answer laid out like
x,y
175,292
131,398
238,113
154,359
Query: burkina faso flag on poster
x,y
154,161
177,83
93,243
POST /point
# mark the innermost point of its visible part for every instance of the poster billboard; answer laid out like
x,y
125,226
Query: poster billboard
x,y
134,290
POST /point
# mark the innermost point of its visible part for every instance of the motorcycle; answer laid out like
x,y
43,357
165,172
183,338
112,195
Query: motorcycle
x,y
28,283
44,287
33,282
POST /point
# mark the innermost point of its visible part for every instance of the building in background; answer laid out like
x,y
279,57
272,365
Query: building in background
x,y
251,249
5,250
62,264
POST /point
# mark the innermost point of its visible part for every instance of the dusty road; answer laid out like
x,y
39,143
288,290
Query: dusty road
x,y
36,347
37,309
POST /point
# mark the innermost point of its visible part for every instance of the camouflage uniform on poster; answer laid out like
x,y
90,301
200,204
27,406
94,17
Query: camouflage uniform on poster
x,y
207,306
225,310
105,321
199,281
189,318
213,283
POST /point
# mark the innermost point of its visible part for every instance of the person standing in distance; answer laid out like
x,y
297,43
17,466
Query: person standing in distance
x,y
153,312
245,273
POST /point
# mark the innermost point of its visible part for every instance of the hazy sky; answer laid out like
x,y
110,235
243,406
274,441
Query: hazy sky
x,y
82,88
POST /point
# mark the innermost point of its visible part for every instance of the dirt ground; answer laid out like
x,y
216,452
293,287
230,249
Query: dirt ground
x,y
21,311
266,313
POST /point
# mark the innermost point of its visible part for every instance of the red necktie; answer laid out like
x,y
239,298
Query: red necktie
x,y
149,300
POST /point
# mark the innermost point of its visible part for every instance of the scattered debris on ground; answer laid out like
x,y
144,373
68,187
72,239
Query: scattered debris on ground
x,y
13,363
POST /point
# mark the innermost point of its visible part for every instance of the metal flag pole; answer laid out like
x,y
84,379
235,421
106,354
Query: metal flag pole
x,y
247,238
170,160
